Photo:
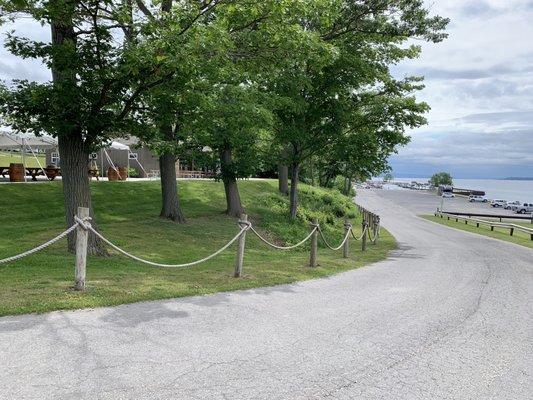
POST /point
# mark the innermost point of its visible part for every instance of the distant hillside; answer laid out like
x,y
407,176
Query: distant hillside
x,y
517,178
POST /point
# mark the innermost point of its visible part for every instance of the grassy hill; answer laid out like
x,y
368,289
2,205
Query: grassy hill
x,y
127,213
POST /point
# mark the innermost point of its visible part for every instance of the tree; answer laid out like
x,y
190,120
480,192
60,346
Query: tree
x,y
216,100
346,84
95,82
388,177
192,28
232,123
441,178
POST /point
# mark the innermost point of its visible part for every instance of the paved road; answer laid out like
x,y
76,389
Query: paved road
x,y
448,316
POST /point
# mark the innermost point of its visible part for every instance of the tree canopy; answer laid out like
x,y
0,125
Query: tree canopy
x,y
441,178
305,84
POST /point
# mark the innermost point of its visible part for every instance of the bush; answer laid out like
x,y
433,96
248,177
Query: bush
x,y
133,173
328,206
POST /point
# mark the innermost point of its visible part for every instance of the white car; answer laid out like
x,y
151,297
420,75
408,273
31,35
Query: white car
x,y
498,203
477,199
448,195
524,208
511,204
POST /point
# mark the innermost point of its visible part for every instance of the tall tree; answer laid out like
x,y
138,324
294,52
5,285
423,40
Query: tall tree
x,y
361,40
95,82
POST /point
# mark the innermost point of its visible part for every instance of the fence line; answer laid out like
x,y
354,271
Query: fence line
x,y
83,225
492,224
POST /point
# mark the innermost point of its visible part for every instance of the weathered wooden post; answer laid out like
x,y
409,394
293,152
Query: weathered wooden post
x,y
82,234
511,231
240,247
363,239
346,246
492,227
314,244
375,220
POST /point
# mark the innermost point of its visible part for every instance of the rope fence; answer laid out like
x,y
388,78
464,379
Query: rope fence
x,y
82,225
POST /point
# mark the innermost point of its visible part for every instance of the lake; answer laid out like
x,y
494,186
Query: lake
x,y
494,188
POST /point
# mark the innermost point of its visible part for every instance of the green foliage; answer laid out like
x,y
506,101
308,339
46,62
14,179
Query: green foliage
x,y
133,173
126,214
441,178
328,206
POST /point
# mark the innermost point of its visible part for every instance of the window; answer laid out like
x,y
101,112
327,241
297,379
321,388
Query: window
x,y
55,158
133,156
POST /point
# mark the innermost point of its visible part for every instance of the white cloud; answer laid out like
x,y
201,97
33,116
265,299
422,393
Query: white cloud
x,y
479,84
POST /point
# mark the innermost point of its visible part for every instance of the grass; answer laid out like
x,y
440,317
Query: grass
x,y
7,158
518,237
127,214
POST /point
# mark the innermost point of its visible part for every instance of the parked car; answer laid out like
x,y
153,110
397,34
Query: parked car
x,y
498,203
524,208
448,195
477,199
511,204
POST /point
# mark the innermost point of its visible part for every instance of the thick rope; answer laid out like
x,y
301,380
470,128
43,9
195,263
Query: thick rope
x,y
376,234
41,247
284,247
362,234
340,245
243,229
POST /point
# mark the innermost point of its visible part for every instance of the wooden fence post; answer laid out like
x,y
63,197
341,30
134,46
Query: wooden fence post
x,y
314,244
376,231
240,249
346,246
82,235
363,239
511,231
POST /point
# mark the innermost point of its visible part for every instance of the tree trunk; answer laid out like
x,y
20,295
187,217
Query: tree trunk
x,y
295,169
283,179
347,186
233,199
283,174
170,207
76,191
73,150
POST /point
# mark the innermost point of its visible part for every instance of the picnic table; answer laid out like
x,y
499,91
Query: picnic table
x,y
34,172
51,173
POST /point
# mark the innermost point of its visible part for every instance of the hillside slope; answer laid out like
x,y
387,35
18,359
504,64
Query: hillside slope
x,y
127,213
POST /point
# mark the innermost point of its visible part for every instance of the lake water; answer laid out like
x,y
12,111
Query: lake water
x,y
494,188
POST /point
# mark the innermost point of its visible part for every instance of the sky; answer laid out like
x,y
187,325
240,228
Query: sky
x,y
479,84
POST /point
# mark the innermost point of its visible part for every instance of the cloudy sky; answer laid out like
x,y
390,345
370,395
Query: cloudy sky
x,y
479,84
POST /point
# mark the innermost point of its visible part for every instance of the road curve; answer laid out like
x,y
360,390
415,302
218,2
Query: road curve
x,y
448,316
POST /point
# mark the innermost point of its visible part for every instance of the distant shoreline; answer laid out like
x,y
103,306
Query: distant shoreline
x,y
516,178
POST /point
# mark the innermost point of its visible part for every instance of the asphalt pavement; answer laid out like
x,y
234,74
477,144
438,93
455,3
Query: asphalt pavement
x,y
447,316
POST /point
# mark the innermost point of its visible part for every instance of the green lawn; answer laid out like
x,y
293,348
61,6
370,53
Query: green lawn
x,y
498,233
7,158
127,214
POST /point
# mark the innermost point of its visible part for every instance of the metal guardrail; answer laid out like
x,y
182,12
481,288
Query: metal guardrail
x,y
492,224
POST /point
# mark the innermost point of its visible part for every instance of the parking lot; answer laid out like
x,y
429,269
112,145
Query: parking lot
x,y
426,202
